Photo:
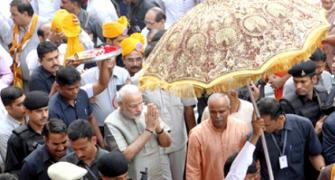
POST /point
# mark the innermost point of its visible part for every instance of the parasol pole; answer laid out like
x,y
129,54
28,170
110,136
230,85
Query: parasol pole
x,y
265,147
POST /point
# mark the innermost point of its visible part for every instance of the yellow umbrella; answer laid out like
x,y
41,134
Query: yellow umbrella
x,y
220,45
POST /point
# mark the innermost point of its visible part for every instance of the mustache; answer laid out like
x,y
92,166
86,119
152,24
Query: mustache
x,y
56,66
136,67
81,158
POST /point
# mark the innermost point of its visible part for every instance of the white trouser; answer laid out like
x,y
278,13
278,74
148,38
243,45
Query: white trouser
x,y
173,164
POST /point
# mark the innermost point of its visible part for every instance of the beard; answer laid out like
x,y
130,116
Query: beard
x,y
129,115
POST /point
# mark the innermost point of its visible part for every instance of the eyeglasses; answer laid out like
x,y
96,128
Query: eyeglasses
x,y
149,22
137,59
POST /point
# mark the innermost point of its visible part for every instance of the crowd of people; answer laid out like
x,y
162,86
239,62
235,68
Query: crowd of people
x,y
64,119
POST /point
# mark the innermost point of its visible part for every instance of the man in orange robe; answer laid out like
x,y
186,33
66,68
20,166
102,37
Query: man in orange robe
x,y
214,140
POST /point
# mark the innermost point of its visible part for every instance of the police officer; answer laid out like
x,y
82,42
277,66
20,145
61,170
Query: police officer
x,y
27,137
36,164
307,99
113,165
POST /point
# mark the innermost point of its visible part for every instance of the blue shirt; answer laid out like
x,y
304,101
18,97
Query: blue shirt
x,y
41,80
301,139
328,139
61,109
36,165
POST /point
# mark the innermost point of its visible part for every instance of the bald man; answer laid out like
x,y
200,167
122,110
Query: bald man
x,y
155,19
214,140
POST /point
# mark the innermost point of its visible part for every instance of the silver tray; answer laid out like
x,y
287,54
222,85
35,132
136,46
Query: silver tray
x,y
96,58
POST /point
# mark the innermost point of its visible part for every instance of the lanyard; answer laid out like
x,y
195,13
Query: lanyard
x,y
276,143
90,172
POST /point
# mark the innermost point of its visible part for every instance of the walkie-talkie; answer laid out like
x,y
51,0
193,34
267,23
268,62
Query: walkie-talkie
x,y
144,174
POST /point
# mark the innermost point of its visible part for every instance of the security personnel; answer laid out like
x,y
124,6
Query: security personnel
x,y
36,164
26,138
290,138
307,100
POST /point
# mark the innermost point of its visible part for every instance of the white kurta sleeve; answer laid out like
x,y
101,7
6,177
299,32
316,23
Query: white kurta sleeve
x,y
239,167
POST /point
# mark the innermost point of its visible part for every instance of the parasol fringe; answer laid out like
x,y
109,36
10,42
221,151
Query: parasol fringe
x,y
232,80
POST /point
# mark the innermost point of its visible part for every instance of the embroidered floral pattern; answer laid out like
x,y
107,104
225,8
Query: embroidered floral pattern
x,y
219,37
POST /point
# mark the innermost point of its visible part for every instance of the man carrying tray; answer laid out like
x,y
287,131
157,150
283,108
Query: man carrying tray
x,y
44,79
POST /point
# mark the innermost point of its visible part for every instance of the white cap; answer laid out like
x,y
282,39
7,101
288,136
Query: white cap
x,y
65,171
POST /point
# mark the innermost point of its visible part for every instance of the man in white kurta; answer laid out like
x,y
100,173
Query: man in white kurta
x,y
138,133
172,111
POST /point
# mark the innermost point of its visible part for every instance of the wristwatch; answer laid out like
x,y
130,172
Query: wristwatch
x,y
150,131
160,132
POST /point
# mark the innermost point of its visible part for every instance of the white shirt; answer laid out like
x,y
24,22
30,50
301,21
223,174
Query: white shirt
x,y
88,88
5,55
6,60
239,167
46,8
7,125
104,10
135,79
244,112
174,9
268,91
105,102
3,111
5,8
5,30
2,117
171,110
86,40
6,75
145,33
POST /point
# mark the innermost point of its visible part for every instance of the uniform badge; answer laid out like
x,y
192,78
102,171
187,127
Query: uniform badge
x,y
303,73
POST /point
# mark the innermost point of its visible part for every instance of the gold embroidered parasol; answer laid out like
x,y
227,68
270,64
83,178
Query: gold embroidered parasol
x,y
224,44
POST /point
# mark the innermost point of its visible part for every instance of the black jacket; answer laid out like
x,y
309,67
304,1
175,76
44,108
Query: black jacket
x,y
20,144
